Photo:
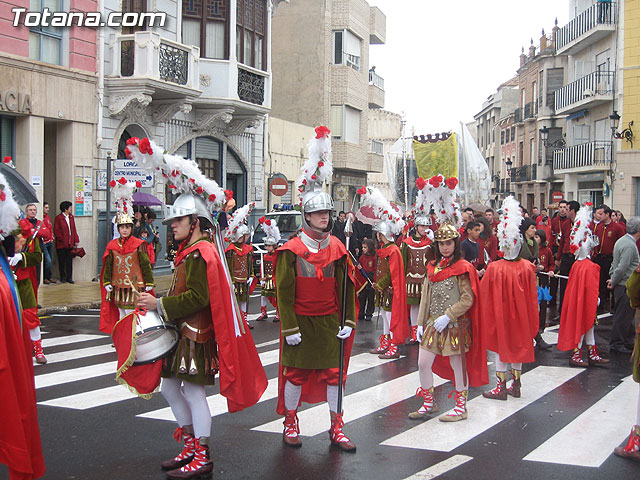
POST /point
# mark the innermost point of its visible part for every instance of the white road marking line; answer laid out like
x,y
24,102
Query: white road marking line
x,y
79,353
68,339
604,421
75,374
483,413
315,420
218,404
550,337
270,342
439,468
118,393
78,315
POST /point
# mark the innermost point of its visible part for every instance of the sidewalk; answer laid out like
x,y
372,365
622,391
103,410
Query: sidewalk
x,y
66,297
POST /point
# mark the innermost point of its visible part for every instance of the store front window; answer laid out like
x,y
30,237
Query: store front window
x,y
7,137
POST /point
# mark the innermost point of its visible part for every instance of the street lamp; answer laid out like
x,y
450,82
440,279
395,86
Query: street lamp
x,y
627,133
544,136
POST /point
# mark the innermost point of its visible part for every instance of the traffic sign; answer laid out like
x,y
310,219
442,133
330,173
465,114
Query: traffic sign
x,y
132,172
557,196
279,186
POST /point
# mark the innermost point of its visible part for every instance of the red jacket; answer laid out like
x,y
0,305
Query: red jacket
x,y
48,238
545,258
556,226
43,233
608,235
565,240
64,237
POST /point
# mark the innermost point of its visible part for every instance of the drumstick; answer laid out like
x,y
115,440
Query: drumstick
x,y
555,275
127,281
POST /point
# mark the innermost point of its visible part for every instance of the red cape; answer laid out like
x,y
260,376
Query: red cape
x,y
242,377
579,304
399,324
109,313
510,309
29,272
476,356
20,445
315,391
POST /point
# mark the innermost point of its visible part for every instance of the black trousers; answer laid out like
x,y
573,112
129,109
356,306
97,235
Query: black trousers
x,y
543,281
622,331
65,264
605,265
566,262
367,302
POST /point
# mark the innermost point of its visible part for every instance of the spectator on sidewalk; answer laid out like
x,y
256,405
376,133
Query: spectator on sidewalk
x,y
625,260
47,244
66,235
34,228
338,227
608,232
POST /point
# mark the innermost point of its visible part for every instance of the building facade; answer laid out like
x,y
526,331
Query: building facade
x,y
385,140
48,112
321,76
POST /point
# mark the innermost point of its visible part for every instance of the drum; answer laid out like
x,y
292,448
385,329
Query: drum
x,y
154,339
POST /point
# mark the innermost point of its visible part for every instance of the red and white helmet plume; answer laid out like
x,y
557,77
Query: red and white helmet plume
x,y
581,237
271,230
440,194
9,209
318,167
509,237
238,223
389,217
122,192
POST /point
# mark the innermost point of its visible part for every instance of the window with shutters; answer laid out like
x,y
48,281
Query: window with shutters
x,y
251,33
347,48
204,24
336,122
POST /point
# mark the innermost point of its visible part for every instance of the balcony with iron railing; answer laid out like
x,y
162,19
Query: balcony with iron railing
x,y
531,110
376,90
517,115
525,173
595,23
585,92
586,157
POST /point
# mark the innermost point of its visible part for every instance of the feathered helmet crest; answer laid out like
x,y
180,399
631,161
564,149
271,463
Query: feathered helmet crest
x,y
9,209
122,191
182,175
318,167
270,228
440,194
238,224
581,237
388,216
509,237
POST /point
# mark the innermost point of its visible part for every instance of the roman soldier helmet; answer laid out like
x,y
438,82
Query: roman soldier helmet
x,y
9,209
390,221
315,171
122,191
238,223
270,228
440,194
509,236
582,239
199,195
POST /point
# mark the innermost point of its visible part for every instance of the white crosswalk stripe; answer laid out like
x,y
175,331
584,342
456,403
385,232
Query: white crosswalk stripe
x,y
75,374
440,468
80,353
69,339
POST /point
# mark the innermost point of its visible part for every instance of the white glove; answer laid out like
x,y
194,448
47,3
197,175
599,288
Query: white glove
x,y
598,301
294,339
441,322
345,332
108,288
429,234
250,281
16,259
148,288
419,333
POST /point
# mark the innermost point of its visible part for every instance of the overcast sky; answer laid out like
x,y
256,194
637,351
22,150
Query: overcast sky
x,y
443,59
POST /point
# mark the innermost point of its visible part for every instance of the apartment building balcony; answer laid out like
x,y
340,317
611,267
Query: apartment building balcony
x,y
525,173
530,111
375,156
376,90
586,157
377,26
595,23
517,115
352,156
586,92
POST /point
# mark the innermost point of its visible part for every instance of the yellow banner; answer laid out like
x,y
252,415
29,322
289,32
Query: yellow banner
x,y
440,157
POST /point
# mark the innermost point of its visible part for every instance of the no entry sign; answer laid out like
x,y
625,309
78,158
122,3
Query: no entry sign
x,y
278,186
557,196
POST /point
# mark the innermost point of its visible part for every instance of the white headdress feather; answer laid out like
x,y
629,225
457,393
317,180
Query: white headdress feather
x,y
382,208
9,209
318,167
509,237
270,229
238,218
581,237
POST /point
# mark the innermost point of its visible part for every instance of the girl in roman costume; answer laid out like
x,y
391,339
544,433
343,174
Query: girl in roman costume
x,y
239,256
578,318
416,251
449,328
267,270
201,304
389,278
509,304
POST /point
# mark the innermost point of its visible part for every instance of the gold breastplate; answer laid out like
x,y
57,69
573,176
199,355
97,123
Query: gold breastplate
x,y
444,294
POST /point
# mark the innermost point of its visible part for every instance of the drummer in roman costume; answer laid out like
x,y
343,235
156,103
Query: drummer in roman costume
x,y
416,251
201,304
267,270
389,277
509,304
449,313
239,256
310,285
126,268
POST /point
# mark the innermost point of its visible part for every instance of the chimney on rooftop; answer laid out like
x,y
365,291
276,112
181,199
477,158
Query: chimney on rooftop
x,y
532,50
523,58
543,41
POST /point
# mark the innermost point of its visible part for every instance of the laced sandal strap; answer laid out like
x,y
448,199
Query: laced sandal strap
x,y
633,445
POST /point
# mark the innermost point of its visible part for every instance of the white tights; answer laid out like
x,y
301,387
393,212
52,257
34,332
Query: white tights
x,y
503,366
386,322
425,365
589,337
188,404
413,315
34,333
638,413
292,396
263,301
243,306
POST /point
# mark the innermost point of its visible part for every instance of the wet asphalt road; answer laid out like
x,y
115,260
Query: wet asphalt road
x,y
113,441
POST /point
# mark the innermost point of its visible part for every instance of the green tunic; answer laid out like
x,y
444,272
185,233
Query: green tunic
x,y
25,286
175,307
320,348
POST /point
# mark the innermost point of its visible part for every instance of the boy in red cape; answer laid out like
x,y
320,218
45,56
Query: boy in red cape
x,y
310,289
449,327
267,268
214,338
578,317
509,305
20,445
25,263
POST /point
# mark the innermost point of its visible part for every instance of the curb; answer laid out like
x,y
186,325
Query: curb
x,y
53,309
